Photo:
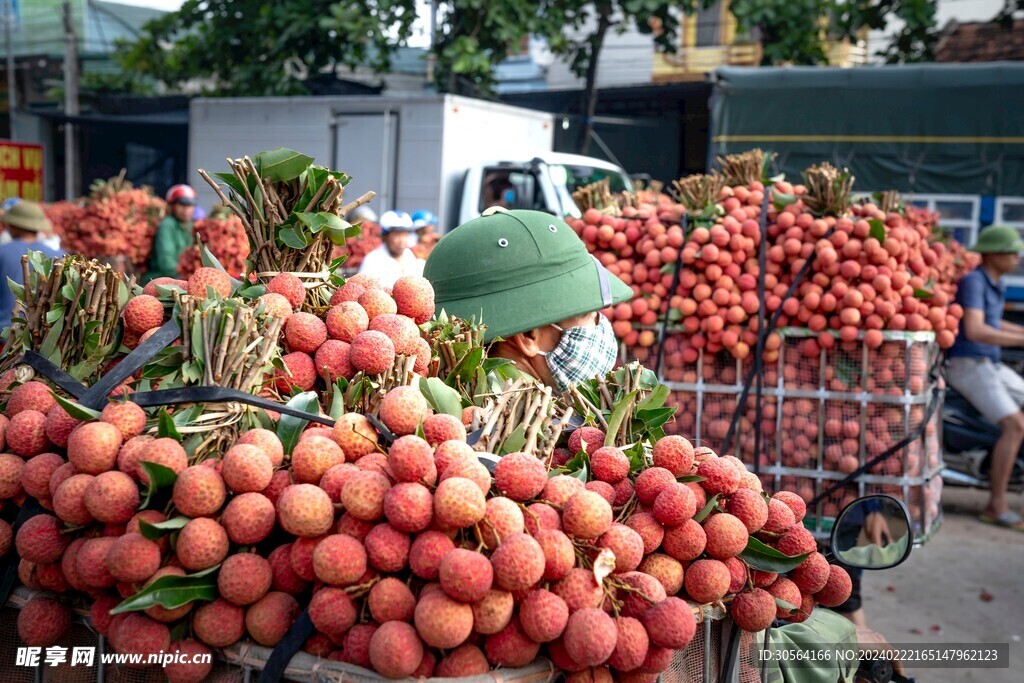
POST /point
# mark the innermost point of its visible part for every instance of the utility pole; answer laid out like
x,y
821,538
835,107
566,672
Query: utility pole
x,y
70,105
12,87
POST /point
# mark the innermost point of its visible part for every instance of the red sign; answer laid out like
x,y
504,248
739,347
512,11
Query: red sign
x,y
21,171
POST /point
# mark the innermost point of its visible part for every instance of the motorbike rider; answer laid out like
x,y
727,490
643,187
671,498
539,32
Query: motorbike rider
x,y
974,367
530,280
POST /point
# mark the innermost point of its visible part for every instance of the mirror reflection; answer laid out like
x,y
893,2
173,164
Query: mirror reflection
x,y
872,533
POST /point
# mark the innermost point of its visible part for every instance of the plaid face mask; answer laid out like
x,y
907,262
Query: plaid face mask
x,y
583,353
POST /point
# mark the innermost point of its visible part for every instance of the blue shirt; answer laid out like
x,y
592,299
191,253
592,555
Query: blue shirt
x,y
977,290
10,267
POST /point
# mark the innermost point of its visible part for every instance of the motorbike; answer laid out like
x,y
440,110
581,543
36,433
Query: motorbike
x,y
968,439
850,546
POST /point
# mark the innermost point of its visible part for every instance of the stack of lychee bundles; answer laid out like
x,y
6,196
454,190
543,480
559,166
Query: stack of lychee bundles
x,y
412,559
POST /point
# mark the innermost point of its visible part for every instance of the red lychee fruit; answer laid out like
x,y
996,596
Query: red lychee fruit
x,y
625,544
266,441
355,435
492,612
586,515
543,615
410,457
93,447
396,651
586,438
631,645
603,489
427,553
794,502
202,543
502,519
400,329
165,451
284,577
812,574
560,488
408,506
194,664
26,434
685,542
590,636
403,409
42,622
391,600
539,516
674,505
333,361
675,454
465,575
719,477
300,371
59,425
796,541
726,535
199,492
518,562
143,313
579,588
305,510
707,580
128,417
753,610
652,482
248,518
275,305
219,623
785,590
609,464
387,548
91,563
650,529
40,540
670,623
377,302
372,352
511,647
312,457
270,618
346,320
363,495
646,591
69,500
290,287
339,560
443,622
780,517
112,497
244,578
414,297
333,611
750,507
837,589
207,278
304,332
667,570
31,395
463,661
520,476
459,503
247,468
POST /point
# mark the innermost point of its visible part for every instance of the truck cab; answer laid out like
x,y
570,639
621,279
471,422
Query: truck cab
x,y
542,183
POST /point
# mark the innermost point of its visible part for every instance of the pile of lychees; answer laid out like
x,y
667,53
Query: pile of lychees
x,y
411,557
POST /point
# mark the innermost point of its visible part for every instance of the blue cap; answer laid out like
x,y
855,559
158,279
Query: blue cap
x,y
8,203
423,218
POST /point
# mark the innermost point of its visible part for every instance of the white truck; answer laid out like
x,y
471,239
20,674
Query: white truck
x,y
453,156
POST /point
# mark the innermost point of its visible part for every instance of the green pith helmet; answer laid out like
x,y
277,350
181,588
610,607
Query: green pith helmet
x,y
515,271
27,216
998,239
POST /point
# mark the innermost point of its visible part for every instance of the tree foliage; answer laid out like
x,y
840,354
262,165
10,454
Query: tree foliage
x,y
254,47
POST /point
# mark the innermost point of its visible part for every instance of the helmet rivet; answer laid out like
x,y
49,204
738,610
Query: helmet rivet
x,y
552,228
502,242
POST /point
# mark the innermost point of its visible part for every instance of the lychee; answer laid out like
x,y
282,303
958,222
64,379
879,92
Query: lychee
x,y
427,553
403,409
441,427
355,435
674,505
651,531
372,352
631,645
667,570
449,451
69,500
26,434
400,329
726,535
91,563
837,589
244,578
312,457
559,553
443,622
290,287
377,302
780,517
132,558
395,650
202,543
796,541
586,438
609,464
465,575
459,503
753,610
579,588
339,560
304,332
299,371
511,647
603,489
346,320
559,489
219,623
720,477
305,510
586,515
502,519
142,313
42,622
333,611
785,590
387,548
518,562
40,540
707,580
112,497
590,636
165,451
410,457
543,615
750,507
248,518
645,590
31,395
462,662
520,476
408,506
652,482
685,542
493,612
199,491
151,286
539,516
414,297
674,453
267,441
275,305
794,502
363,495
194,663
209,278
59,425
391,600
670,623
270,618
472,469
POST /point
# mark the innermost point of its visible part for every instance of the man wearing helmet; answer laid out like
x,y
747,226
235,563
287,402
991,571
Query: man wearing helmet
x,y
393,259
174,234
530,280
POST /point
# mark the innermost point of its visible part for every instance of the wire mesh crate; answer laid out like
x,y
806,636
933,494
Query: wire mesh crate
x,y
826,411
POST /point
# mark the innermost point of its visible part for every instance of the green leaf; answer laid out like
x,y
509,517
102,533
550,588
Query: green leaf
x,y
281,164
781,200
232,181
166,428
252,292
655,418
293,237
338,400
514,442
289,428
920,293
466,367
75,410
655,399
687,478
208,259
171,592
153,531
711,505
160,477
785,605
768,559
49,348
618,415
441,397
877,229
54,314
167,291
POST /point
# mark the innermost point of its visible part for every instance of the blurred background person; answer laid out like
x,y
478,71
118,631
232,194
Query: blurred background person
x,y
25,222
393,259
174,234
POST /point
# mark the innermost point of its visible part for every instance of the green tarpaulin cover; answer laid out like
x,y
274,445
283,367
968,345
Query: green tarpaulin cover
x,y
930,129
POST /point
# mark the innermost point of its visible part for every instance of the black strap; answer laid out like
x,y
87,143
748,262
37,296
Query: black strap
x,y
47,369
96,396
289,646
207,394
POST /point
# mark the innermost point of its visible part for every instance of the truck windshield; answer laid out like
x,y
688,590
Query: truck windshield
x,y
567,179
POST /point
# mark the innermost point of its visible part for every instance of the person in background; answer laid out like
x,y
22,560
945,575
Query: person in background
x,y
25,221
5,236
174,234
975,369
362,214
424,222
393,259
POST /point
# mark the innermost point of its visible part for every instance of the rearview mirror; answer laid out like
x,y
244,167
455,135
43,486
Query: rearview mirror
x,y
873,532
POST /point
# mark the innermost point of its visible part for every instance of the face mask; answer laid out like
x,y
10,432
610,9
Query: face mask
x,y
583,353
